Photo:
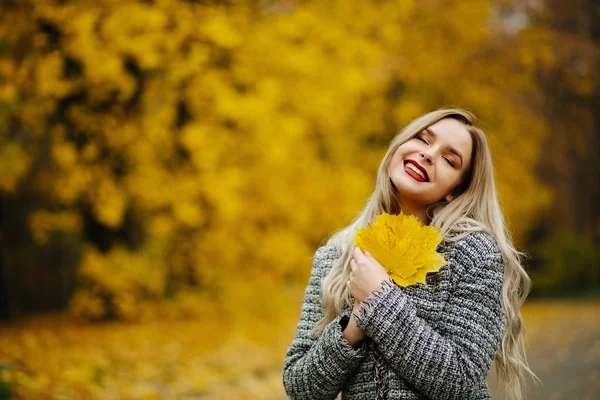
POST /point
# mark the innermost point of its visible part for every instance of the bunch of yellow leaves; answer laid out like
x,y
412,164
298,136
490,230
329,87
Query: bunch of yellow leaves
x,y
403,246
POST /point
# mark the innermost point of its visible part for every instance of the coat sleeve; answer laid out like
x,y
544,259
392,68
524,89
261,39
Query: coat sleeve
x,y
317,367
453,360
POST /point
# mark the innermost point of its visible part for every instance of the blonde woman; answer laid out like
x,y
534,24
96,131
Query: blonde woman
x,y
361,334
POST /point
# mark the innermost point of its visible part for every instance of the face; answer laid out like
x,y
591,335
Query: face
x,y
442,152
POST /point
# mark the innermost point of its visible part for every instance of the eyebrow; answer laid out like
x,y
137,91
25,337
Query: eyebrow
x,y
450,148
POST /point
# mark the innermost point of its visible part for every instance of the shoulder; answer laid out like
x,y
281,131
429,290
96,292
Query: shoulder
x,y
478,244
326,252
472,239
477,249
324,259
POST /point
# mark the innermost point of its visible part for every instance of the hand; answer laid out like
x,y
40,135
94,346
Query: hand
x,y
366,276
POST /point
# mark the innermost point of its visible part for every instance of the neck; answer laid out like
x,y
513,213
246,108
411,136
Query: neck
x,y
419,212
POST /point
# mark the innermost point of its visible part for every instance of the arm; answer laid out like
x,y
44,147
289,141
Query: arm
x,y
454,360
350,331
317,367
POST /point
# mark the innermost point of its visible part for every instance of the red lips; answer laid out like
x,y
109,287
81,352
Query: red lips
x,y
423,170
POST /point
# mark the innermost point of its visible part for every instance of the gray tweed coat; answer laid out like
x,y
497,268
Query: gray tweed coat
x,y
433,341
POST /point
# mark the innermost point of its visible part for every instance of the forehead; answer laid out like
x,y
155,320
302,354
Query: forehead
x,y
455,134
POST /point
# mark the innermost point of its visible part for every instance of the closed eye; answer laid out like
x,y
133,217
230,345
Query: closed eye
x,y
421,138
449,161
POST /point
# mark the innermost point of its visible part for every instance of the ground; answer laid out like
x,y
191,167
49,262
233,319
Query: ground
x,y
55,357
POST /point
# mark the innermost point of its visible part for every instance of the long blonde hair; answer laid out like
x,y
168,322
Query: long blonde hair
x,y
476,203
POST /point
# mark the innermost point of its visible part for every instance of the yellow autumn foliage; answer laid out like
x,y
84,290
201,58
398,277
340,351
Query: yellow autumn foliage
x,y
57,357
403,246
198,140
196,153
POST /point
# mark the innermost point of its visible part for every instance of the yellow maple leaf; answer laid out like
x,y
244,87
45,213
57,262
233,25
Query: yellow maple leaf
x,y
403,246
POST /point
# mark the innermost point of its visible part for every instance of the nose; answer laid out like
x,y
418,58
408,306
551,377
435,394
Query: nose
x,y
427,157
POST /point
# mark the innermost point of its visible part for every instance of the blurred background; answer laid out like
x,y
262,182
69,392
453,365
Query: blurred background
x,y
169,167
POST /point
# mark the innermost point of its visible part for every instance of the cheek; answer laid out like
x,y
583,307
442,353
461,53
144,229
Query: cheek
x,y
396,159
402,152
449,178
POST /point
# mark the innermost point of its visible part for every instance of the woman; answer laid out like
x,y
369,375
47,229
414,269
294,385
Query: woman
x,y
434,341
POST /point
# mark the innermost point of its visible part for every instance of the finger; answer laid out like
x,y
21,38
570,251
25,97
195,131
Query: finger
x,y
373,260
358,255
370,257
352,264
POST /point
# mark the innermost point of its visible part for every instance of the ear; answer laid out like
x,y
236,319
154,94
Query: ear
x,y
449,198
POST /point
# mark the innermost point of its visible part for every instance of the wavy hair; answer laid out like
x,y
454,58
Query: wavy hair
x,y
475,202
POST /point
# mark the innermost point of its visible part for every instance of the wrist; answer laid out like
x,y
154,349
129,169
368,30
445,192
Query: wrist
x,y
352,333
